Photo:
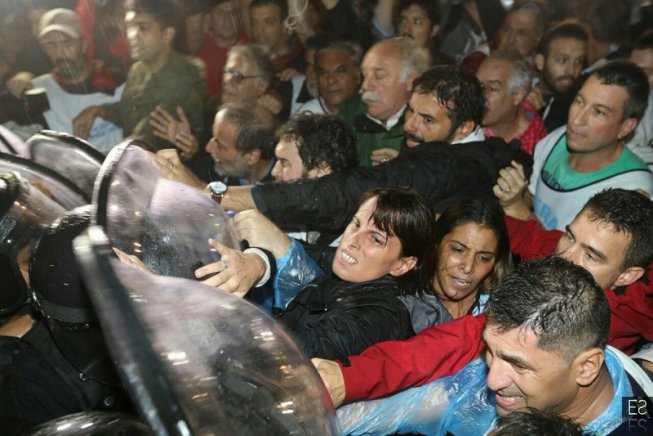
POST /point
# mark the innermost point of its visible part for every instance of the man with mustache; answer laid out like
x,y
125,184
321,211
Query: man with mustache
x,y
560,58
75,83
389,69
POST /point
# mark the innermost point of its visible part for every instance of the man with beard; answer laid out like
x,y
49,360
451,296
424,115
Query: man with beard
x,y
242,147
561,57
75,83
160,76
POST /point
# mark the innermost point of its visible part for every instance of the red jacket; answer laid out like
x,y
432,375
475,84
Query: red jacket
x,y
443,349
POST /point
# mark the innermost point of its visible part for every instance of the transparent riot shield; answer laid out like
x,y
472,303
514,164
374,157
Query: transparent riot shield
x,y
52,184
25,215
67,155
197,360
163,222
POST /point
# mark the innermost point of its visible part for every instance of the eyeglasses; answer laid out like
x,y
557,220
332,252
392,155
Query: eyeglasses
x,y
237,76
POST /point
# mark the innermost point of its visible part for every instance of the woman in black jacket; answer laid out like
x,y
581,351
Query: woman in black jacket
x,y
386,254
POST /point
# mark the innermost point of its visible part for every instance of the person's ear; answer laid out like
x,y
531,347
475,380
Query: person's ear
x,y
262,86
465,129
321,170
169,35
435,31
627,126
519,96
252,157
539,61
628,276
588,365
402,265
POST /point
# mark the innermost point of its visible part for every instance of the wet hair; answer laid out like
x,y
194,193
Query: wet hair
x,y
430,7
259,55
488,214
570,29
522,72
414,59
165,12
535,422
628,212
632,79
255,125
458,90
321,140
352,48
405,214
558,301
281,4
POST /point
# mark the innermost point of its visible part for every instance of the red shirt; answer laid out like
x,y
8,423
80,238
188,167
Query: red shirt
x,y
214,57
533,133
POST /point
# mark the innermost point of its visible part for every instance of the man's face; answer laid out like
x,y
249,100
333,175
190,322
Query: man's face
x,y
595,117
147,40
596,246
518,31
384,93
311,77
238,83
523,375
414,23
224,21
563,64
227,160
289,164
267,27
426,120
500,104
337,76
644,59
67,54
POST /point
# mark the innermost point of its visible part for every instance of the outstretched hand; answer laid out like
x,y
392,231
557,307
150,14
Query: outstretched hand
x,y
178,132
236,272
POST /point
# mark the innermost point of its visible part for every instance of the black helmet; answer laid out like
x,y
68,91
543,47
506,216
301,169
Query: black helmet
x,y
62,298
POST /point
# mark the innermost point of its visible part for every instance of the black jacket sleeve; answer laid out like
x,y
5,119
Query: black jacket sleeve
x,y
440,171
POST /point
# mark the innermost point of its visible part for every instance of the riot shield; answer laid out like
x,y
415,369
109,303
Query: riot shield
x,y
163,222
197,360
10,143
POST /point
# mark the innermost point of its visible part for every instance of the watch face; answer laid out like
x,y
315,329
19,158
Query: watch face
x,y
217,190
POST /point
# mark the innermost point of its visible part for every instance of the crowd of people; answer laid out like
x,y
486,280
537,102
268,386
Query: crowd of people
x,y
446,203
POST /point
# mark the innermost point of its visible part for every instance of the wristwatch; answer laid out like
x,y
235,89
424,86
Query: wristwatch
x,y
217,190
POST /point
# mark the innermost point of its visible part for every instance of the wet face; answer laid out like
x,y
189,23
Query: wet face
x,y
228,161
148,41
595,117
267,27
289,165
240,81
224,21
466,256
426,120
338,77
597,247
365,252
415,23
384,92
523,375
67,54
563,64
519,32
644,59
500,104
